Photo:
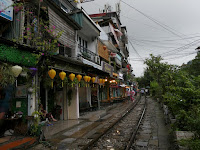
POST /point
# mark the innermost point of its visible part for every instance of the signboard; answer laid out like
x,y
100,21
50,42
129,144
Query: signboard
x,y
107,68
6,9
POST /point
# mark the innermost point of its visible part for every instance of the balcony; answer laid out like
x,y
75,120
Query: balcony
x,y
89,55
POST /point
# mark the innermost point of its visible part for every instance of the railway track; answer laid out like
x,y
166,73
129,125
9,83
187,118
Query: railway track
x,y
121,133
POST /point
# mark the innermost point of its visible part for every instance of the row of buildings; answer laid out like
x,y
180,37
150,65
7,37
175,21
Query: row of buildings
x,y
44,35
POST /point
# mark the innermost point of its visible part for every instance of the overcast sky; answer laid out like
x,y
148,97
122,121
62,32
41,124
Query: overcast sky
x,y
174,36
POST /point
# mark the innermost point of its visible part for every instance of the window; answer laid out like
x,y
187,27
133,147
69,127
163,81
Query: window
x,y
83,43
80,41
62,50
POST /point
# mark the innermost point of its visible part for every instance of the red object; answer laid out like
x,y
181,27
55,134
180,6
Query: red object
x,y
104,47
128,67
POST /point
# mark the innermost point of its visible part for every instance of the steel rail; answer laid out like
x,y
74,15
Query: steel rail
x,y
87,146
134,133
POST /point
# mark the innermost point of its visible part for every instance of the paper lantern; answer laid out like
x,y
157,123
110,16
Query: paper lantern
x,y
72,76
16,70
33,71
79,77
89,78
93,80
62,76
104,47
86,79
52,74
100,81
103,81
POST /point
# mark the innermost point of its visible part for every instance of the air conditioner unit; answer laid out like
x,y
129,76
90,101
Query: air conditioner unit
x,y
97,59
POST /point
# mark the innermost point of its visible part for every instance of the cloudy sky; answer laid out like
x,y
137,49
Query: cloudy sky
x,y
170,28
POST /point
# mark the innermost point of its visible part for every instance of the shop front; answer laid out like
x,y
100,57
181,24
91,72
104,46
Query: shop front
x,y
17,81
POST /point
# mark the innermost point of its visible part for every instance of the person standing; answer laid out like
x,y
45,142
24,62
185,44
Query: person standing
x,y
132,95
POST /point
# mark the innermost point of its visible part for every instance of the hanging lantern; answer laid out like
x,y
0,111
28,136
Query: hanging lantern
x,y
104,47
16,71
72,76
33,71
89,78
79,77
62,76
86,79
52,74
93,80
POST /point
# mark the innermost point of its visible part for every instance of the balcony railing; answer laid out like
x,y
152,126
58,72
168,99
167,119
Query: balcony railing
x,y
89,55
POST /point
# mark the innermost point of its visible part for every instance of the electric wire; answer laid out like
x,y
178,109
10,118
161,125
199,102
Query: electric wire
x,y
154,20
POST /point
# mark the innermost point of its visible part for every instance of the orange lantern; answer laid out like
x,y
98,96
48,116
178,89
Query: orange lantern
x,y
86,79
72,76
62,76
104,47
52,74
93,80
79,77
89,78
100,81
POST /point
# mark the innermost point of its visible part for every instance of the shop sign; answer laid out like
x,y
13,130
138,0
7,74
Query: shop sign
x,y
107,68
6,9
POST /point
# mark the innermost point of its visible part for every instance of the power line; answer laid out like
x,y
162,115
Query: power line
x,y
135,50
183,47
154,20
145,40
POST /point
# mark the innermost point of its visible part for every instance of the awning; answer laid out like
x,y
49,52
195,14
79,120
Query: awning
x,y
110,46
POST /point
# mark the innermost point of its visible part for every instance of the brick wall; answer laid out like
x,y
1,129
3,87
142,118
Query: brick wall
x,y
102,53
68,36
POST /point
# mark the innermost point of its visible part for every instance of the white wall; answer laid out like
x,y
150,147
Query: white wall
x,y
73,109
